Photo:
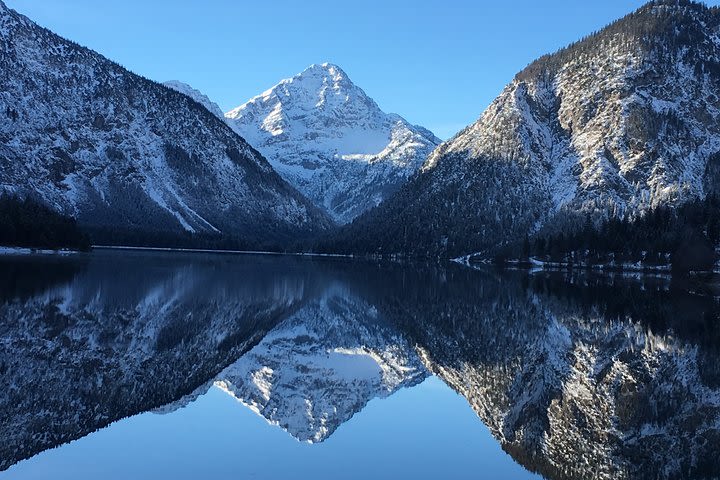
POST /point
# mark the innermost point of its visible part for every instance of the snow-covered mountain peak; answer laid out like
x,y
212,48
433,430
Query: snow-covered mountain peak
x,y
327,72
308,100
313,78
196,95
325,136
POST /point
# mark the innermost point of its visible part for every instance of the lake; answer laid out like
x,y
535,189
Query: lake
x,y
132,364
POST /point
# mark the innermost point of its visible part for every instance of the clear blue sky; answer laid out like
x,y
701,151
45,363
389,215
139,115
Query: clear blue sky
x,y
439,64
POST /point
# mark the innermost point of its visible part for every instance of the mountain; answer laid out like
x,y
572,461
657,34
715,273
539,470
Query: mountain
x,y
618,123
196,95
331,141
130,159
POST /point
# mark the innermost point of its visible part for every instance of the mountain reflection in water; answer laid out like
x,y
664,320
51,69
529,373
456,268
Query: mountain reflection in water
x,y
575,376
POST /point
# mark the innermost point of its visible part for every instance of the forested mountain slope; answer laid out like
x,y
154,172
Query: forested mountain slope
x,y
614,125
130,159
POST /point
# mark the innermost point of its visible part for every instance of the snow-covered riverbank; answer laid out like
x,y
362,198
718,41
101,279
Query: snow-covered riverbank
x,y
33,251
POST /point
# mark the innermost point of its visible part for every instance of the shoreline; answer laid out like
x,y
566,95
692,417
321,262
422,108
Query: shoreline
x,y
534,265
10,251
219,251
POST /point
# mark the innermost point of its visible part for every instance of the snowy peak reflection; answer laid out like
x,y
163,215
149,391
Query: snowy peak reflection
x,y
322,365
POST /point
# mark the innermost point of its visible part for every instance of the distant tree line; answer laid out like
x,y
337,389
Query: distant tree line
x,y
665,30
682,307
144,237
684,237
29,223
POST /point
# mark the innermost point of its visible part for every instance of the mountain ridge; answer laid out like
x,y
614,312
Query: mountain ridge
x,y
613,125
130,159
325,136
197,95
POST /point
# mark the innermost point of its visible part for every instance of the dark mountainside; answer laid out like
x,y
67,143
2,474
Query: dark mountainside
x,y
27,223
131,160
681,239
615,125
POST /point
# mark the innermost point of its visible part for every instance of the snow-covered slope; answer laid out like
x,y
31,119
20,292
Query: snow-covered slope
x,y
322,365
196,95
326,137
621,121
125,154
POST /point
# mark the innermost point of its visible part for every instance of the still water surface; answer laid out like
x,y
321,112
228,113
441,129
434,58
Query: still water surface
x,y
157,365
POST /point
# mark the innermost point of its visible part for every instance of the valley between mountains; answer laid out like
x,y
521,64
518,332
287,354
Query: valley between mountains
x,y
605,152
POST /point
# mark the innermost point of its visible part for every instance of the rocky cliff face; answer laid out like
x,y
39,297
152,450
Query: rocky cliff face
x,y
196,95
622,121
125,154
326,137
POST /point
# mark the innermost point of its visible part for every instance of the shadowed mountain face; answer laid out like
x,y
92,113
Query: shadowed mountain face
x,y
584,377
